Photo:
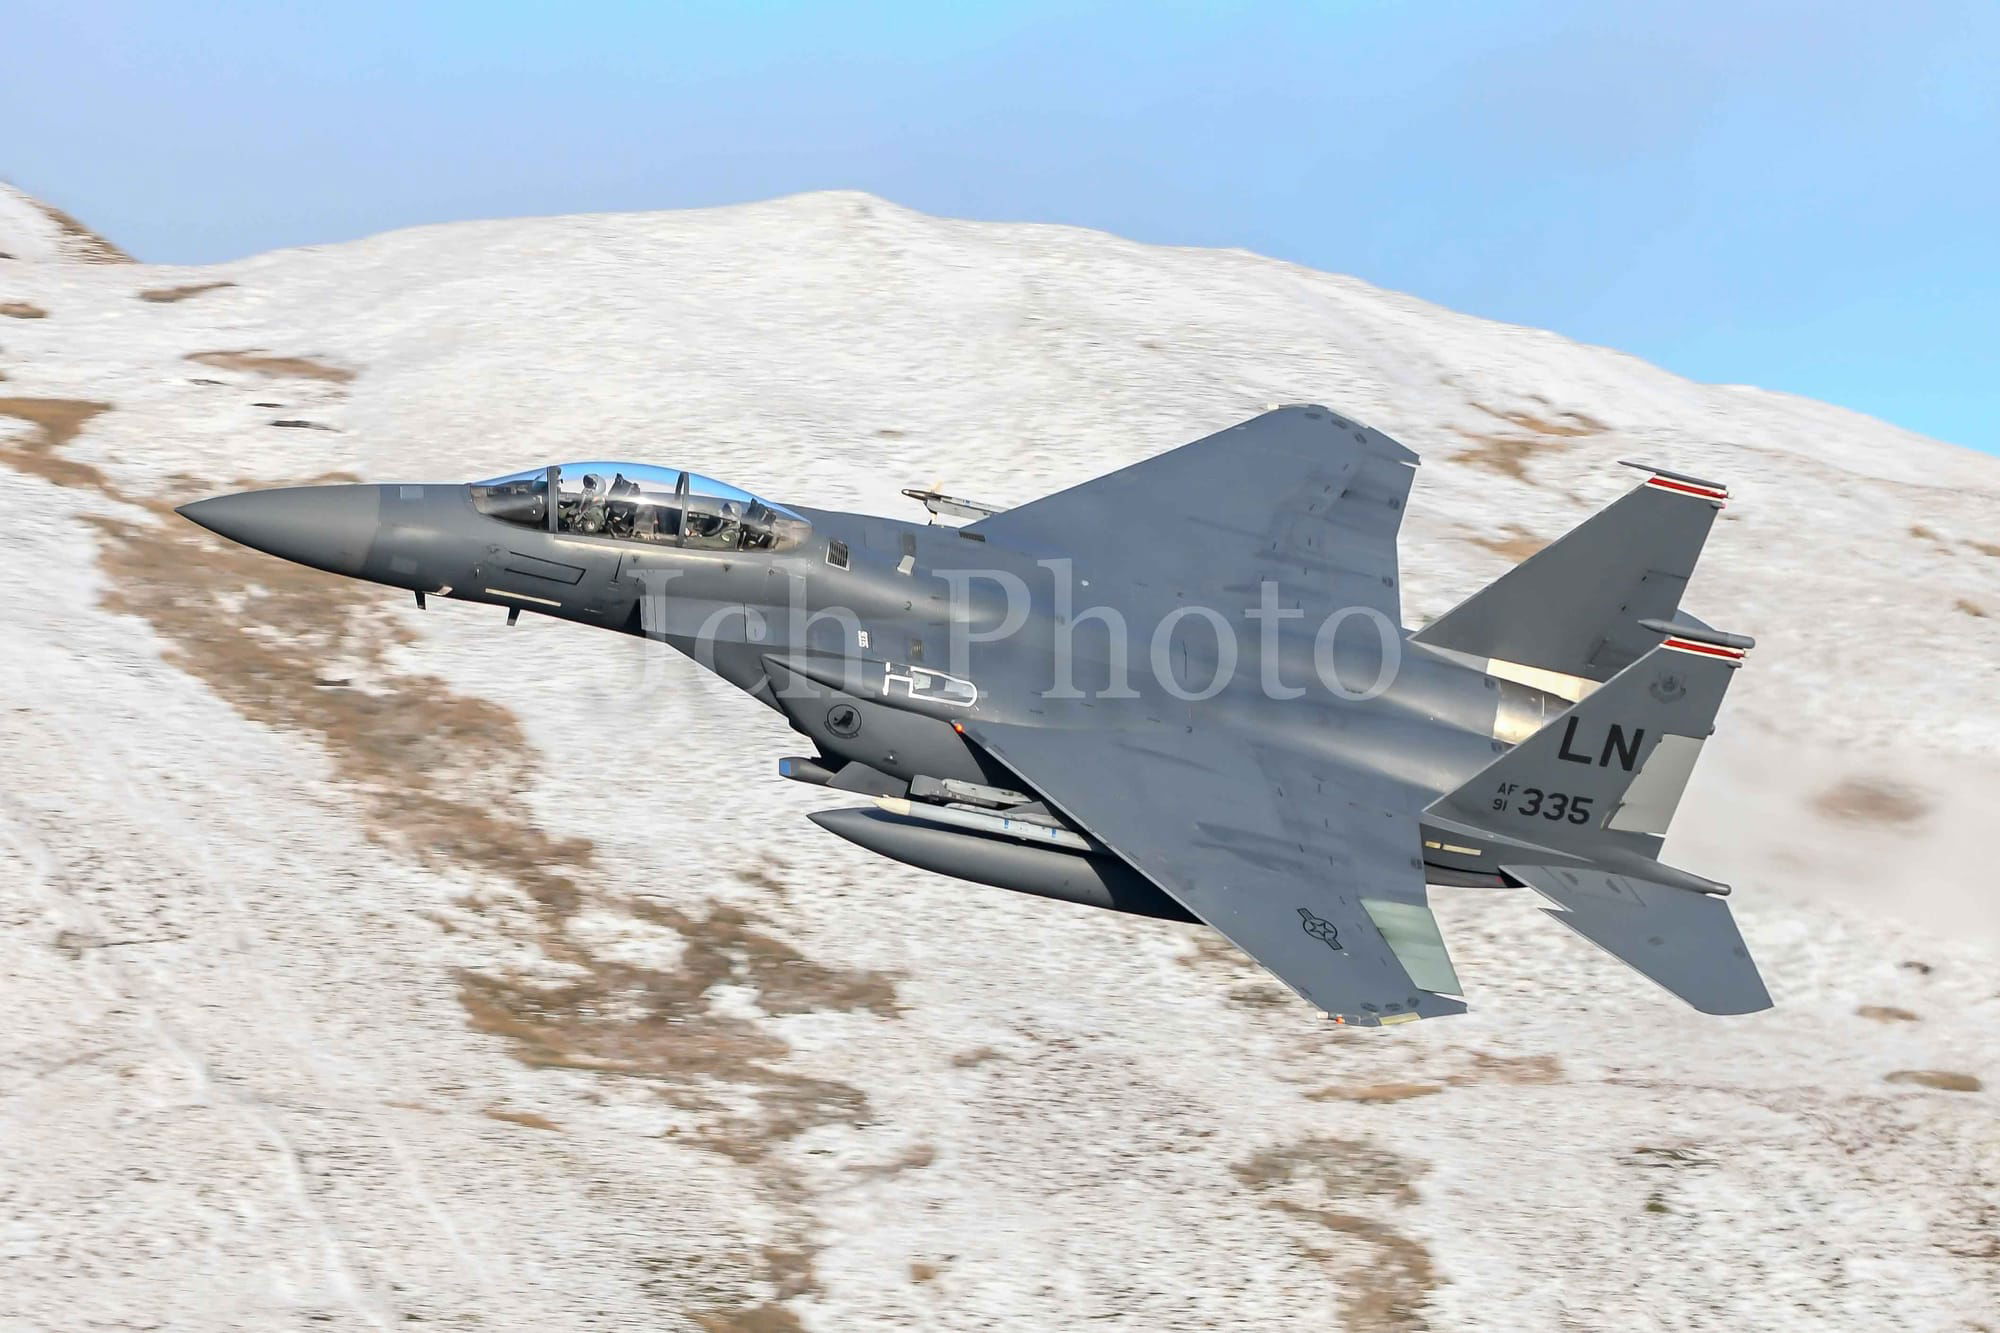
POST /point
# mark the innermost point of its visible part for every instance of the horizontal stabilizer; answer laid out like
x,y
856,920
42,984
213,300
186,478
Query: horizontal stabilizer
x,y
1686,941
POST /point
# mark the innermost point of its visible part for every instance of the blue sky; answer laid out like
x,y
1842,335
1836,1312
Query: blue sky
x,y
1800,195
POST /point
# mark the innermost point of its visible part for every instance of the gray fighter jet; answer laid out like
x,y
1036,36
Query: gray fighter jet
x,y
1181,690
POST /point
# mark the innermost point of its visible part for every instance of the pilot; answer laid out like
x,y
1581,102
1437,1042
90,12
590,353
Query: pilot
x,y
621,511
715,531
589,515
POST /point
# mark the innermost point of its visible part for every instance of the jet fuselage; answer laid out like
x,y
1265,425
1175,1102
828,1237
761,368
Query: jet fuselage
x,y
873,636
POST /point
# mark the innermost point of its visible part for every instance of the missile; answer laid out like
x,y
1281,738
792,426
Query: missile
x,y
1045,871
990,821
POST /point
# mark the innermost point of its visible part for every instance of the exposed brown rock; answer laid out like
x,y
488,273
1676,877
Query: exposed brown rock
x,y
260,363
1941,1079
526,1119
84,245
1517,546
1507,452
169,295
1376,1092
57,421
1385,1286
1869,801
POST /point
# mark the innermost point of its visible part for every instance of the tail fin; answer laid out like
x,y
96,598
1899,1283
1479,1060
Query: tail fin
x,y
1579,809
1604,777
1573,608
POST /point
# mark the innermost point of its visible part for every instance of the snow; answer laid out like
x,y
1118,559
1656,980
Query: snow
x,y
26,232
32,232
243,1085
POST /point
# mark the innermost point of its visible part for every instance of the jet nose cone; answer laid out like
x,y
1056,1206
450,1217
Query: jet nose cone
x,y
327,527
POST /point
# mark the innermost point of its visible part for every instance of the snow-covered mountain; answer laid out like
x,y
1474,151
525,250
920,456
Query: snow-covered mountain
x,y
366,965
38,232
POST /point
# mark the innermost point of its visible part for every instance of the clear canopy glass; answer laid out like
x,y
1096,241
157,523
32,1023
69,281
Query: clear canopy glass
x,y
641,502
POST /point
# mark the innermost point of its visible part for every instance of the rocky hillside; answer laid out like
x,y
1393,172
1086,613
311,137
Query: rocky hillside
x,y
368,966
42,233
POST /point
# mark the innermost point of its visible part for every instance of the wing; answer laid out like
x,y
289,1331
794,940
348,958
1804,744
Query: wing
x,y
1299,497
1313,869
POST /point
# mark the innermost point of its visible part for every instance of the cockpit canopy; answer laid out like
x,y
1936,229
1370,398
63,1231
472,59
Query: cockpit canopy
x,y
643,503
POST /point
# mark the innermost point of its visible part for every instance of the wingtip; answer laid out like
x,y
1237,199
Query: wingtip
x,y
1431,1005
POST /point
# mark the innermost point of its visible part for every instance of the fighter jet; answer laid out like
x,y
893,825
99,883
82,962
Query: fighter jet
x,y
1182,690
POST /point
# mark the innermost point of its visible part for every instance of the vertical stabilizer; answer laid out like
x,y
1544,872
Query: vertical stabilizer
x,y
1574,609
1605,776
